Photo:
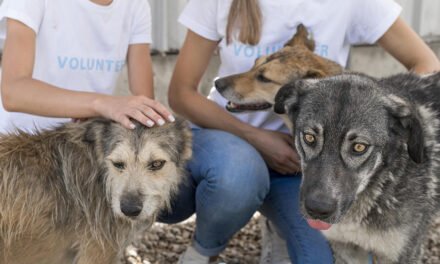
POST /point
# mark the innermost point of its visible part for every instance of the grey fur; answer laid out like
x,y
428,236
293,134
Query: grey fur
x,y
383,198
60,192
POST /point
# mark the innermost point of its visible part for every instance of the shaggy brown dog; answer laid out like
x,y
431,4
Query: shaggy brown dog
x,y
256,89
83,188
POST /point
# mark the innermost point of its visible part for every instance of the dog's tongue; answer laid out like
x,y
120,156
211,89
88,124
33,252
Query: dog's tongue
x,y
316,224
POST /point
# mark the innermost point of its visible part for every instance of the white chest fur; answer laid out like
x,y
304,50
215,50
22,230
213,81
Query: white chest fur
x,y
387,243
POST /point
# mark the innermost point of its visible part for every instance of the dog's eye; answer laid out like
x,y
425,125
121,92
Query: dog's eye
x,y
360,148
261,78
119,165
156,165
309,139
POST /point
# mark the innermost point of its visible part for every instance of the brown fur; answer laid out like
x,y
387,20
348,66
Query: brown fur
x,y
295,61
60,192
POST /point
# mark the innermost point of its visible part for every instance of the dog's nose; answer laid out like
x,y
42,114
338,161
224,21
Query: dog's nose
x,y
320,208
221,84
131,207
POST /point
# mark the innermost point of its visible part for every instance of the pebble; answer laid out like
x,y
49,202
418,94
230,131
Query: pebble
x,y
163,244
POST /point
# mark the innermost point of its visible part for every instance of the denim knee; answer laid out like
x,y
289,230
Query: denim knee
x,y
183,204
234,172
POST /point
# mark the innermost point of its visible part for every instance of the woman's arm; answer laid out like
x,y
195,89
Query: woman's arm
x,y
140,78
21,93
184,98
140,70
407,47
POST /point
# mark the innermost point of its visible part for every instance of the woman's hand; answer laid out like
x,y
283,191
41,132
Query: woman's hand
x,y
141,108
277,150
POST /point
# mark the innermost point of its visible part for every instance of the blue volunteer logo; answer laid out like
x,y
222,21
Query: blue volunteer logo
x,y
90,64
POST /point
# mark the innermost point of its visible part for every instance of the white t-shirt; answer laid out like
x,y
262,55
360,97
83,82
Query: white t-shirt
x,y
335,25
80,46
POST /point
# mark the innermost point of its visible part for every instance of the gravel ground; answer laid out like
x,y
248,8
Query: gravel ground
x,y
162,244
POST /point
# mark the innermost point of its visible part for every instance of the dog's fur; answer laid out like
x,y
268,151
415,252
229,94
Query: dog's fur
x,y
256,89
80,190
381,199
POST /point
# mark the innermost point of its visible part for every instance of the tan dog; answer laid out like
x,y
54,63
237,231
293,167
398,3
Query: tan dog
x,y
256,89
76,193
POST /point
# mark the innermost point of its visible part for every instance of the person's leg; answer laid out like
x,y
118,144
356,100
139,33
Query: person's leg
x,y
305,244
183,204
231,181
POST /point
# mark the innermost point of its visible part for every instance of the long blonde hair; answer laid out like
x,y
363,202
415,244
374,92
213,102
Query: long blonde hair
x,y
245,15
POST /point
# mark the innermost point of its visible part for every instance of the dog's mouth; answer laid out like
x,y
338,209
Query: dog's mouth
x,y
318,224
238,108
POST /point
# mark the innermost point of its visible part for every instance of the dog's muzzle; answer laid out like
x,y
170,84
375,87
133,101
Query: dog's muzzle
x,y
131,206
320,209
221,84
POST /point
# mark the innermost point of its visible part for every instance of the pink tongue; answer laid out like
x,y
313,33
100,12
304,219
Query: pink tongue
x,y
316,224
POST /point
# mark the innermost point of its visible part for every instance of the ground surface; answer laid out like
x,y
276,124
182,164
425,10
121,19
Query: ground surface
x,y
163,244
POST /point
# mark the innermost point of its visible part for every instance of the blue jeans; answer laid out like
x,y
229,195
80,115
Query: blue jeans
x,y
228,182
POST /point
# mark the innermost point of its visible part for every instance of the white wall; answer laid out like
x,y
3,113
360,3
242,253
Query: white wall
x,y
168,34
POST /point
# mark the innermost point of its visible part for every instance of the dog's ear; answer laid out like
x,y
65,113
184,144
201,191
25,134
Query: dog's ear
x,y
92,130
315,73
301,37
186,136
287,98
260,60
286,93
97,135
410,120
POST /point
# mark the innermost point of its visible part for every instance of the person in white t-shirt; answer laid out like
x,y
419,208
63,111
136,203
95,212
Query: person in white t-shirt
x,y
237,157
62,58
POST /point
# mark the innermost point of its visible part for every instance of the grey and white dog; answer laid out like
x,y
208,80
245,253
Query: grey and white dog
x,y
370,154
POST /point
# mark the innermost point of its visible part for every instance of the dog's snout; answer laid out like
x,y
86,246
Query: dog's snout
x,y
131,206
320,208
221,84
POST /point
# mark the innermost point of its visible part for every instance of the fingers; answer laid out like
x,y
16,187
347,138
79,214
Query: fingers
x,y
125,121
141,118
149,113
144,110
285,165
293,161
287,168
159,109
288,163
288,139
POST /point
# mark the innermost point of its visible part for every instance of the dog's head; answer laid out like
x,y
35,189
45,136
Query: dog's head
x,y
347,130
255,90
144,166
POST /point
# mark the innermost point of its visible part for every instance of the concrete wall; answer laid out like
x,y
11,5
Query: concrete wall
x,y
374,61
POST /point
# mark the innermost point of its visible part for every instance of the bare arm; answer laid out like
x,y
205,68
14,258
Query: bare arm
x,y
140,70
22,93
140,78
407,47
184,98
